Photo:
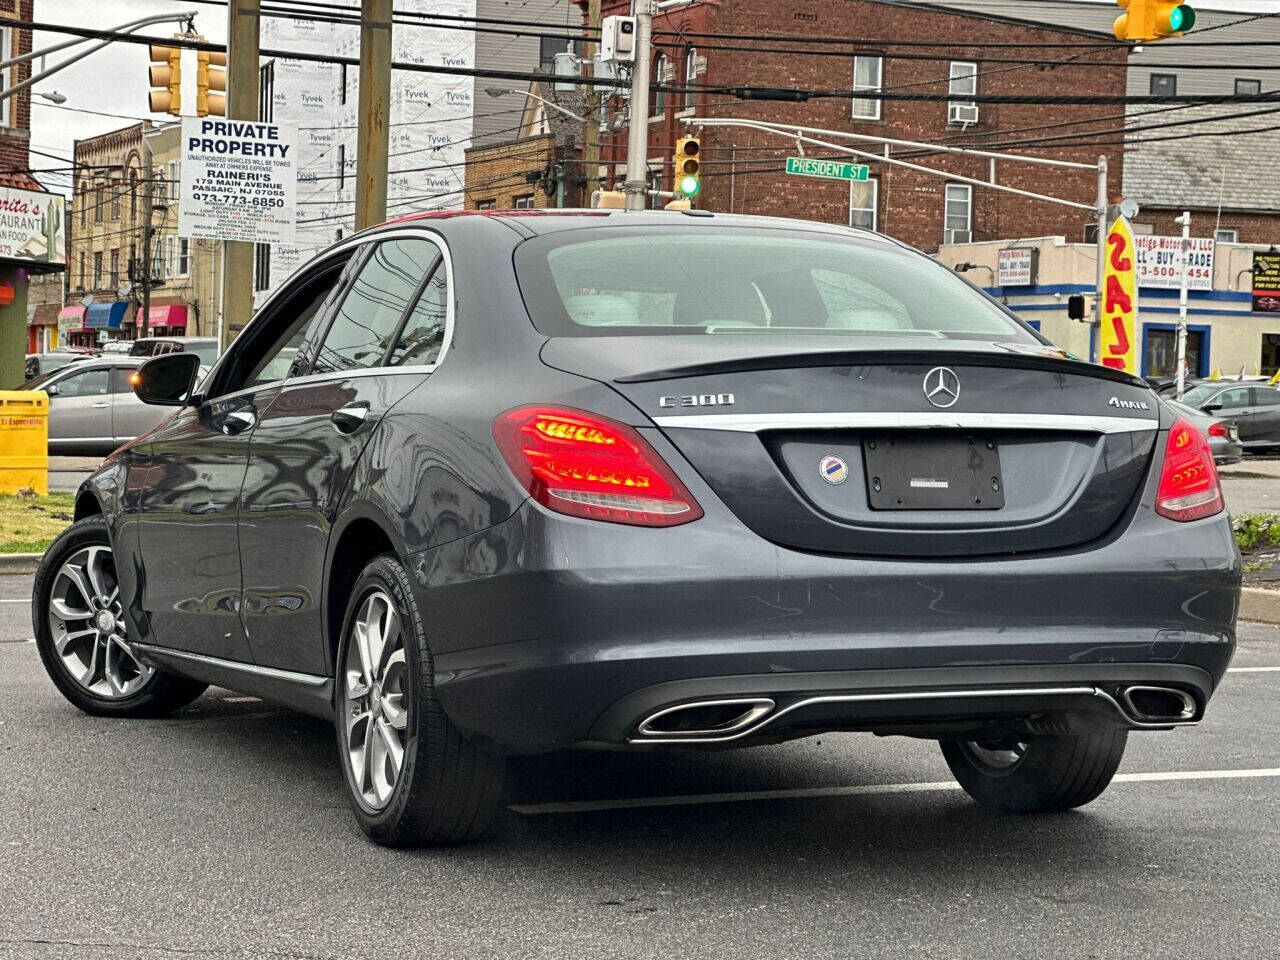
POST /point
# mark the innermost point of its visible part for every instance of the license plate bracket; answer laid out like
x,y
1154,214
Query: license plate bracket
x,y
907,472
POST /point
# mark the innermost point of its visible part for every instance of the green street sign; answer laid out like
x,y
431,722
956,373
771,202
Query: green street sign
x,y
830,169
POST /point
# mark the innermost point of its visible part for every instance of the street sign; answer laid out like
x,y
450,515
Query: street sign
x,y
827,169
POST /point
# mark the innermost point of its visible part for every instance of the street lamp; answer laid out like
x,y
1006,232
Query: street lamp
x,y
53,97
503,91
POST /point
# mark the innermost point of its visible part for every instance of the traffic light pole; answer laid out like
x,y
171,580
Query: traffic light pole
x,y
1099,290
636,185
1183,221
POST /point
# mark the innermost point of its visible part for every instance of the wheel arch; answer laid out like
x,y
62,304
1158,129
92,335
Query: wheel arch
x,y
87,505
364,534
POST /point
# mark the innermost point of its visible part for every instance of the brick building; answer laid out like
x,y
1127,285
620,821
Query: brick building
x,y
743,169
15,112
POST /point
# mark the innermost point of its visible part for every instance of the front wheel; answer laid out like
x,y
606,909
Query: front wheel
x,y
1036,774
412,777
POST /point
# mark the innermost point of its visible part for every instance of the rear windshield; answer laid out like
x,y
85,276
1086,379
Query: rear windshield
x,y
638,281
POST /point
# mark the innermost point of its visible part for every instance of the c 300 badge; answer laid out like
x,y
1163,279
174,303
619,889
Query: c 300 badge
x,y
833,469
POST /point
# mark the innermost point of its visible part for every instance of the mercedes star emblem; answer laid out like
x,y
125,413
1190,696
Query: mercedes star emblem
x,y
941,386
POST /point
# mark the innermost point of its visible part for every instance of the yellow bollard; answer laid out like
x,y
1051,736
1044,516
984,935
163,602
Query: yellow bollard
x,y
24,441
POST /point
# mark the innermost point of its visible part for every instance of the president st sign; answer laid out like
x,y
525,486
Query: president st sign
x,y
1116,339
239,181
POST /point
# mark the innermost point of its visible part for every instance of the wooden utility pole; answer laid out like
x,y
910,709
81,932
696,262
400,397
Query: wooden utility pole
x,y
243,37
375,113
148,207
591,134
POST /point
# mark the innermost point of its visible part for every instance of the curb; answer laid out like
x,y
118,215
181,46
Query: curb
x,y
19,562
1259,605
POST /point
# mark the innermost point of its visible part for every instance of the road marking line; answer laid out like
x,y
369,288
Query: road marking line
x,y
241,699
1253,670
694,799
16,600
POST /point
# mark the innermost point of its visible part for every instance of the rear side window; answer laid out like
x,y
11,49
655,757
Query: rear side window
x,y
370,314
423,334
1266,397
87,383
638,281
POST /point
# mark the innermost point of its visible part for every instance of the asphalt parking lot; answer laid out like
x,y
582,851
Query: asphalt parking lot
x,y
224,831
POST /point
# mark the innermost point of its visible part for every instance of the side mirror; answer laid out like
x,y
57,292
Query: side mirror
x,y
51,389
166,380
1212,407
1075,307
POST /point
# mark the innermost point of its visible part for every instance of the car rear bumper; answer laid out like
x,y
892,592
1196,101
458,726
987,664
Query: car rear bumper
x,y
548,634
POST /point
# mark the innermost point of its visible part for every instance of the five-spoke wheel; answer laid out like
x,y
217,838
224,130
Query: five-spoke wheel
x,y
375,710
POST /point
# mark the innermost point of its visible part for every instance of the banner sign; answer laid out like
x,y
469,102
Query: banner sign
x,y
1266,282
1117,338
239,181
1160,262
33,227
1016,267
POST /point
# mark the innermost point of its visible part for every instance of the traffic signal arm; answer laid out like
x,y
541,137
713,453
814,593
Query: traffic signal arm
x,y
1145,21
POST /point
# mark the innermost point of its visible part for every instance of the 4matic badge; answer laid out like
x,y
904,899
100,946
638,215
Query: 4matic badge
x,y
1128,404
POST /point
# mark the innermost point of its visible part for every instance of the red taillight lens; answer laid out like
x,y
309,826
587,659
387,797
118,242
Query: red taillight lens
x,y
590,466
1217,429
1189,486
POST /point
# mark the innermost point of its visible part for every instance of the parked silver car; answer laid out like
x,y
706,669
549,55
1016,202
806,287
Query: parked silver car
x,y
92,407
1222,432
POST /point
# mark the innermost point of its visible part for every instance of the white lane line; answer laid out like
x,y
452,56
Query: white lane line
x,y
15,600
241,699
694,799
1253,669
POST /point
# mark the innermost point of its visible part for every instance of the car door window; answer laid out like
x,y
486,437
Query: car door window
x,y
1237,398
87,383
423,335
365,323
1266,397
120,382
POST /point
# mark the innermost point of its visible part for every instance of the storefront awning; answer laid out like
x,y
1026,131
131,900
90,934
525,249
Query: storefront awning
x,y
105,316
70,319
168,315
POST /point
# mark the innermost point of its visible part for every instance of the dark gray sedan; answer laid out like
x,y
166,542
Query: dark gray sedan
x,y
1254,406
480,485
1222,433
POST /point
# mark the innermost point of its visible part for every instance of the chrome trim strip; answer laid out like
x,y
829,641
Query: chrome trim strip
x,y
307,679
1089,691
757,707
755,422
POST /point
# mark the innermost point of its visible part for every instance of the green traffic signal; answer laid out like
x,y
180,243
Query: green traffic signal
x,y
688,186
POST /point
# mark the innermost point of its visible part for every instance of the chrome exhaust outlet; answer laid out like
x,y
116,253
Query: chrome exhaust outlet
x,y
705,719
1159,704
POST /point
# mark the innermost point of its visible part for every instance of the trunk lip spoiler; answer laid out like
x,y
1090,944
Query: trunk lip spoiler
x,y
909,420
858,358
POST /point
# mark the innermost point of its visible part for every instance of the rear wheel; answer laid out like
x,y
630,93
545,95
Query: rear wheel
x,y
1036,774
83,637
412,777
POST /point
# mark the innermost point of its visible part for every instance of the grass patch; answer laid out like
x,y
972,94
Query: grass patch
x,y
1257,530
29,525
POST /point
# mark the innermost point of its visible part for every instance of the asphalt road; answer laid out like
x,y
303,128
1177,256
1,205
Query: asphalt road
x,y
224,831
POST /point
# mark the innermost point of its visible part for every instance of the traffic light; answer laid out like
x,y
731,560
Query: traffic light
x,y
687,179
211,83
1145,21
166,79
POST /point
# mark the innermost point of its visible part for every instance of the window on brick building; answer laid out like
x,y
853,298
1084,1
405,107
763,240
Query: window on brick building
x,y
115,268
659,98
133,194
1164,84
1226,235
84,279
7,50
99,198
1248,88
97,271
486,204
115,199
863,200
868,74
184,256
82,202
690,77
958,213
524,201
963,79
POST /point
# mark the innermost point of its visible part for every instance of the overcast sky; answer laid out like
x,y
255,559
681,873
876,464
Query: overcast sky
x,y
114,79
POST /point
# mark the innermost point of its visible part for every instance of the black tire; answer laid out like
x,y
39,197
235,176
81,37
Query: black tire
x,y
447,787
157,696
1052,773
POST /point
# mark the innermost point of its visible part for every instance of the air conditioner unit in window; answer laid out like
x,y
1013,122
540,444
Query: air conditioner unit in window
x,y
965,114
959,236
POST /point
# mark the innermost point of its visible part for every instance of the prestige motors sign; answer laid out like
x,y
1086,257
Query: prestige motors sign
x,y
33,227
1159,262
239,181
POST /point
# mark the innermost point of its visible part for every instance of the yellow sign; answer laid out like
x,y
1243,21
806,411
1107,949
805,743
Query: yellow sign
x,y
1117,339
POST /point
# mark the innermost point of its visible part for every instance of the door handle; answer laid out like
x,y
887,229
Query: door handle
x,y
238,422
350,419
99,406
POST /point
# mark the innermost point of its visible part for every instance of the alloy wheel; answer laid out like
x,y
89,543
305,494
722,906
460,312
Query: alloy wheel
x,y
1000,756
375,698
86,620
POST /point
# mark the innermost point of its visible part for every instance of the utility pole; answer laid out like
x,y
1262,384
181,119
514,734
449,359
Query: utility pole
x,y
243,32
636,185
148,206
591,130
1103,227
372,139
1185,222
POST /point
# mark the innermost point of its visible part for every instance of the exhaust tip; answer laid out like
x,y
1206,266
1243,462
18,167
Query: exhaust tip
x,y
705,718
1158,704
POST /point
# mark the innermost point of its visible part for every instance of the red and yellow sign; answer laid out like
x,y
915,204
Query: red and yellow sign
x,y
1117,339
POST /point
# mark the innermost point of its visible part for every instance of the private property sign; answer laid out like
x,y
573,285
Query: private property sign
x,y
1160,262
828,169
239,181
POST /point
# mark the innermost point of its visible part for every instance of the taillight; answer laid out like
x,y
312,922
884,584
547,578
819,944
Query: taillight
x,y
1217,429
1189,486
586,465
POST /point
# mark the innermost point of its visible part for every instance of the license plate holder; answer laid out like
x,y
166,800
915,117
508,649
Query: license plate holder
x,y
933,473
